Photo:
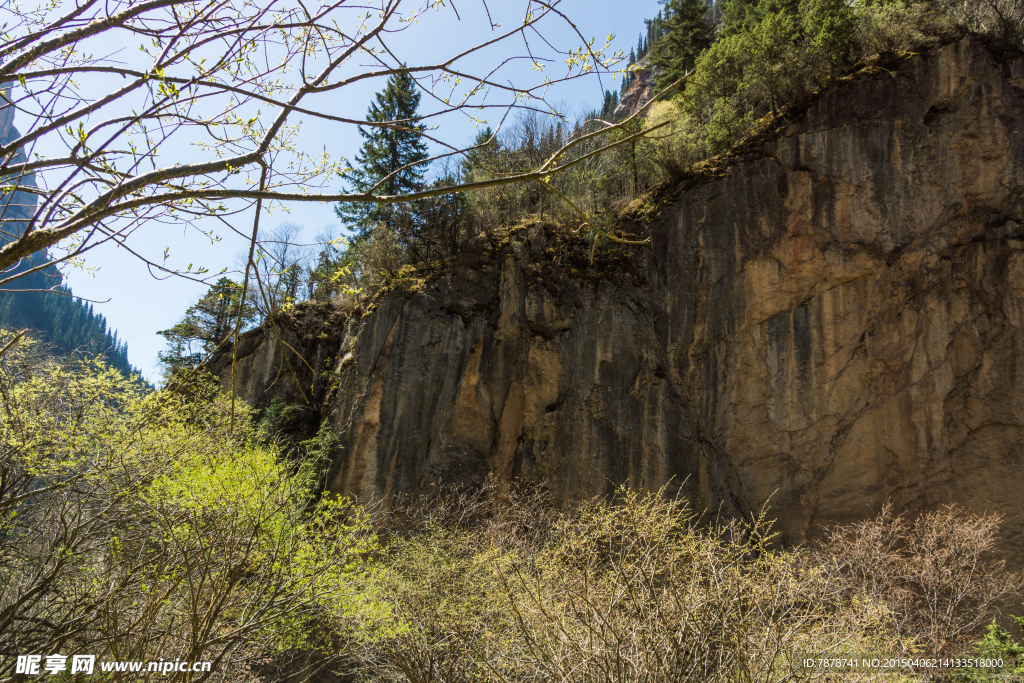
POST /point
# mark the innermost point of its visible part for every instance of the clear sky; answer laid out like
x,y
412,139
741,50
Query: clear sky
x,y
137,304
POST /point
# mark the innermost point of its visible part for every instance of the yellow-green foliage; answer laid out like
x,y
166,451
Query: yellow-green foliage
x,y
670,143
146,526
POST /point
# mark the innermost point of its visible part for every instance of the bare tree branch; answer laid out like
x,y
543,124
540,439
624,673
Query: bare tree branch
x,y
201,70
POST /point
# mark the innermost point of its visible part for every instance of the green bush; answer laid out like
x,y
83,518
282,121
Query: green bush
x,y
888,29
139,526
777,57
998,643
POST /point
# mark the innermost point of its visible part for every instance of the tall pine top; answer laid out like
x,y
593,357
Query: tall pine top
x,y
387,149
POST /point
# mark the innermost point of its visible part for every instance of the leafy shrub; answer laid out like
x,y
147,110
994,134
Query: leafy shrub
x,y
777,57
890,29
141,526
667,146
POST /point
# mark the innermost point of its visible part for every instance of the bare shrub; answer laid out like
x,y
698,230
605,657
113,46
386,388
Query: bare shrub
x,y
499,586
280,263
935,574
999,20
380,257
631,589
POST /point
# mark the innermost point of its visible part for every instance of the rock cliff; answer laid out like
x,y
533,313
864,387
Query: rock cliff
x,y
638,93
17,207
831,322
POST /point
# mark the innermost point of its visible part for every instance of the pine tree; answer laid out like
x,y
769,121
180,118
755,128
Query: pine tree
x,y
205,325
478,161
686,33
740,15
385,150
611,100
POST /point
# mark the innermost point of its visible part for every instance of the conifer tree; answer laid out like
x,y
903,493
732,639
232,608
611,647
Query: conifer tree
x,y
611,100
205,325
387,149
478,161
59,319
738,15
686,33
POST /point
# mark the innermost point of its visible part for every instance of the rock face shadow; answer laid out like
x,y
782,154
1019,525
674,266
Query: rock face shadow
x,y
834,323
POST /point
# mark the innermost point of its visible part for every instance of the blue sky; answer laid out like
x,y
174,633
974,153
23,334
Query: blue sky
x,y
137,304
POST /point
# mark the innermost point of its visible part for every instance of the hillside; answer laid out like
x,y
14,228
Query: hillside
x,y
39,301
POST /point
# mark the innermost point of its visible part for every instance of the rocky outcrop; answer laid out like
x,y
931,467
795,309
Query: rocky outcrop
x,y
832,323
17,207
638,93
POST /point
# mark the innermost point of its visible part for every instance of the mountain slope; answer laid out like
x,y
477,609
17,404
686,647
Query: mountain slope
x,y
47,307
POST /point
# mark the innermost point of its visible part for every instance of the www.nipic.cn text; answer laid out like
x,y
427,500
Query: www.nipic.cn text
x,y
34,665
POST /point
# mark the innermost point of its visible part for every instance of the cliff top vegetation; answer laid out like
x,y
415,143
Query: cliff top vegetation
x,y
746,70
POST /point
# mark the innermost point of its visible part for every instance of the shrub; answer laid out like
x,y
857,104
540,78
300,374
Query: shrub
x,y
893,28
667,147
499,586
775,59
141,527
998,644
936,573
1000,21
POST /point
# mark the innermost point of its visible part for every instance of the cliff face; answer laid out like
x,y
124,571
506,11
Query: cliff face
x,y
17,207
831,324
638,93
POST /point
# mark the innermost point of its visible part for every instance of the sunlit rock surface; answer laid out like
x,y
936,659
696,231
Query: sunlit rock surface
x,y
834,323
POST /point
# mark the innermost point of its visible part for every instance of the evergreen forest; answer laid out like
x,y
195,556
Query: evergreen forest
x,y
55,316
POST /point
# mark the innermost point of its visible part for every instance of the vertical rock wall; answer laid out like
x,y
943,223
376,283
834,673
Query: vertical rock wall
x,y
17,207
831,324
853,323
